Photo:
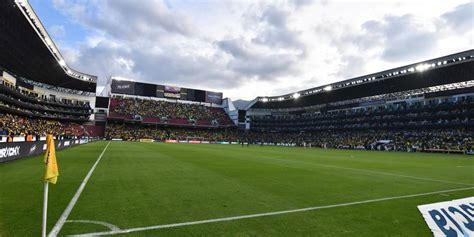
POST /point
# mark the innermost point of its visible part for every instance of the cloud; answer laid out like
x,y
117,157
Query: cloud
x,y
57,31
127,20
274,30
405,39
461,18
252,48
304,3
256,62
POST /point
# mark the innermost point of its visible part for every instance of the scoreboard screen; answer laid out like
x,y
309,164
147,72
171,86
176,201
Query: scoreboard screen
x,y
119,86
199,95
213,97
149,90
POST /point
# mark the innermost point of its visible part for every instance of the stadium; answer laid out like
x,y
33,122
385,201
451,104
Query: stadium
x,y
373,155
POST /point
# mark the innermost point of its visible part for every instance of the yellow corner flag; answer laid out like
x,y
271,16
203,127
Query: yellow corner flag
x,y
52,172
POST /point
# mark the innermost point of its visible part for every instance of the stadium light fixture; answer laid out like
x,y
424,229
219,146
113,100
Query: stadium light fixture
x,y
422,67
296,95
327,88
62,63
264,100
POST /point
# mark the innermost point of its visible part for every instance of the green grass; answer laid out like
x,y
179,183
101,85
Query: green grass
x,y
147,184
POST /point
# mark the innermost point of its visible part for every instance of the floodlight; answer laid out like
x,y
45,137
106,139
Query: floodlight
x,y
296,95
422,67
327,88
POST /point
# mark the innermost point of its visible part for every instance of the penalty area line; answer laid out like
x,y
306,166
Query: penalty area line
x,y
200,222
60,223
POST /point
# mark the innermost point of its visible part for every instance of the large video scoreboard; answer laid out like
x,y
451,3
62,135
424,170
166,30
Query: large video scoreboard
x,y
162,91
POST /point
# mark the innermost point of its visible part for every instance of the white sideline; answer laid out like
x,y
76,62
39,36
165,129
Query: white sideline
x,y
60,223
165,226
370,171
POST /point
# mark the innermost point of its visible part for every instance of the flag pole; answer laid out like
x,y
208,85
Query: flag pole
x,y
45,208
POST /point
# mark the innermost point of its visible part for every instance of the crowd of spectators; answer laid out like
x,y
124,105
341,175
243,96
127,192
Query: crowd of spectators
x,y
458,113
390,140
164,109
453,140
135,132
13,125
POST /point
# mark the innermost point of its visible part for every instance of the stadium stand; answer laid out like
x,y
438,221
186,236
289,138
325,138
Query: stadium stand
x,y
135,132
28,103
427,106
39,92
153,111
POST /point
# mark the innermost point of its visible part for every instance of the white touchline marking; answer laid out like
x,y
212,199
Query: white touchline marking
x,y
59,224
369,171
108,225
165,226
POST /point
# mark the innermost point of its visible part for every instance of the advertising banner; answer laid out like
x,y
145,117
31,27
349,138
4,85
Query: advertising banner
x,y
172,95
214,97
18,150
451,218
123,87
172,89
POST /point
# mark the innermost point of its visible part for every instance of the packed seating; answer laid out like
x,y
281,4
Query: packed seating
x,y
14,125
156,111
405,124
135,132
459,141
390,140
401,115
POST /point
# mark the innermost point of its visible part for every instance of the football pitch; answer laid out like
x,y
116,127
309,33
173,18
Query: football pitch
x,y
157,189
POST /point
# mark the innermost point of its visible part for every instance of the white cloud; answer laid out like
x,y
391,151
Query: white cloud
x,y
251,48
57,31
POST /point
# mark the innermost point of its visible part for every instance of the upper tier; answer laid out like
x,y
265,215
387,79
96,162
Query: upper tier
x,y
29,52
439,71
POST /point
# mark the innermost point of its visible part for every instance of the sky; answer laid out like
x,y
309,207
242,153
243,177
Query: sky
x,y
252,48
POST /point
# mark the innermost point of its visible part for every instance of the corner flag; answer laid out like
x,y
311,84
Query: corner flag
x,y
51,174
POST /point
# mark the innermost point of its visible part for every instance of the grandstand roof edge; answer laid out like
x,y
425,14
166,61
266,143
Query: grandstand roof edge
x,y
36,23
465,53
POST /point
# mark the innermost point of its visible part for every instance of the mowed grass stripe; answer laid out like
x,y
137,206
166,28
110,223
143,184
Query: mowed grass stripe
x,y
306,162
137,183
21,189
267,214
62,219
153,184
391,218
440,166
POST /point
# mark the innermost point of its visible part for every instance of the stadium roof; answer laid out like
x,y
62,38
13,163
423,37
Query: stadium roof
x,y
453,68
28,51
